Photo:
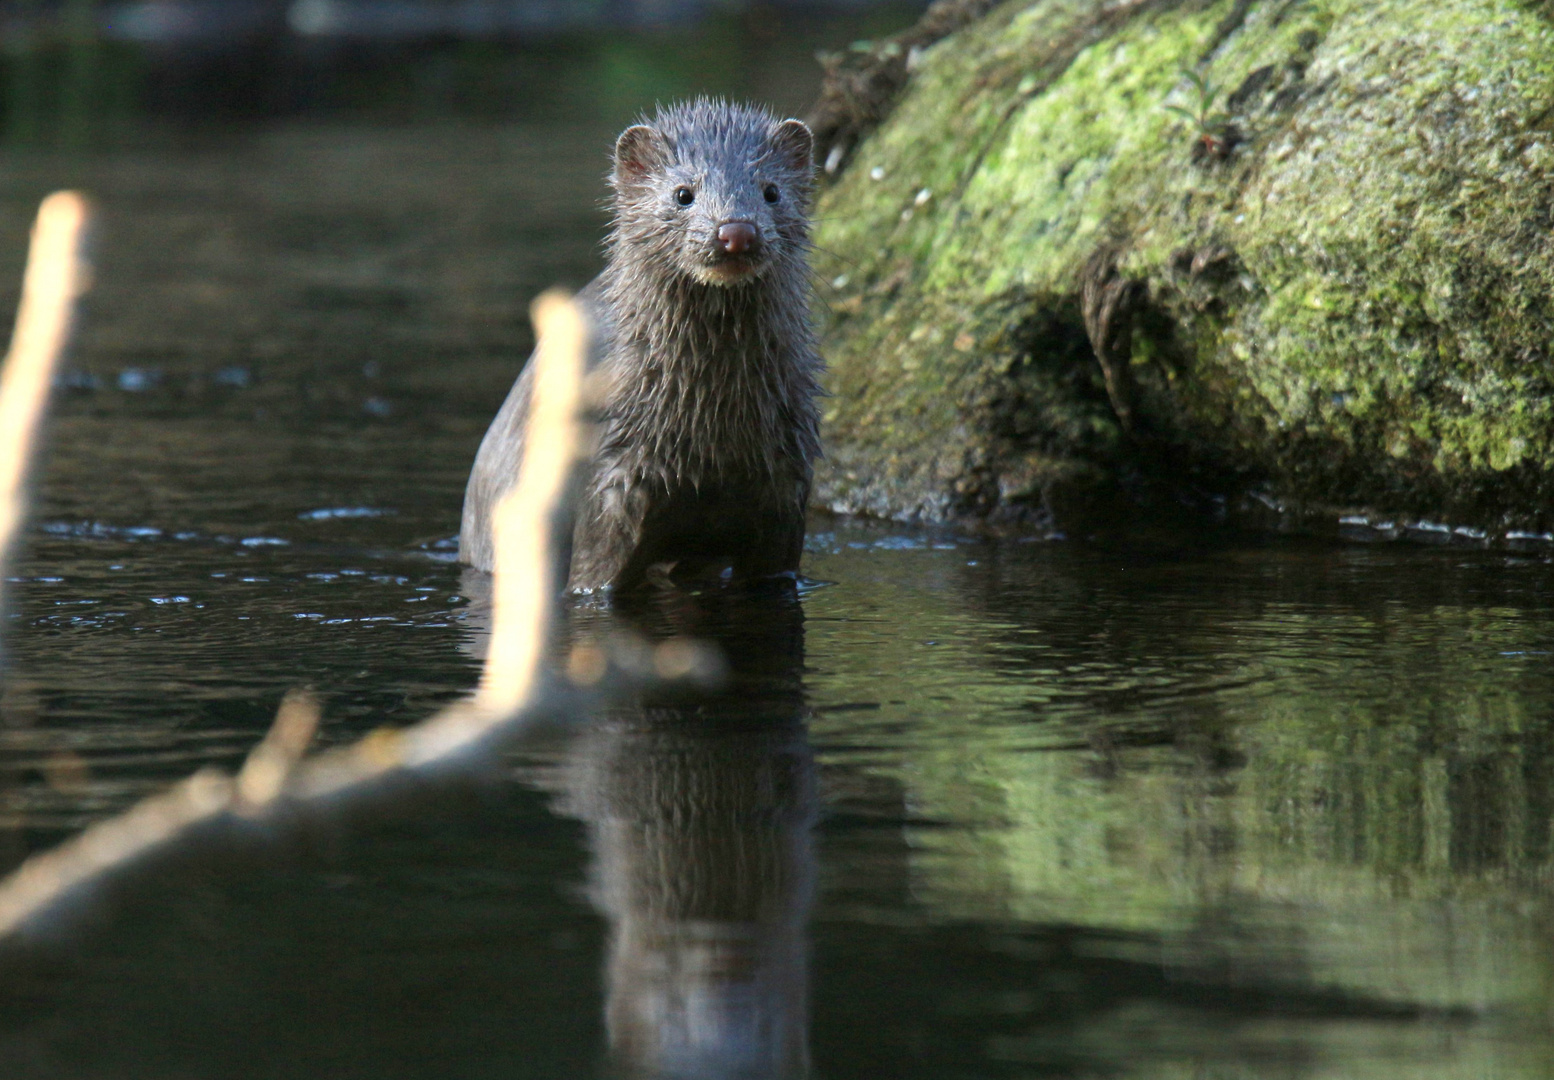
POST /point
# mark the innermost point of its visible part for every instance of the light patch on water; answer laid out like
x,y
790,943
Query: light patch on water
x,y
137,380
337,513
101,530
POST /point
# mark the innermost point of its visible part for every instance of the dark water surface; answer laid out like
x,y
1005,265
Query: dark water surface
x,y
975,809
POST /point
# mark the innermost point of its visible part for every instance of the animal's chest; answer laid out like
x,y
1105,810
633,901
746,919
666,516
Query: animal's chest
x,y
630,523
725,428
695,508
715,521
697,466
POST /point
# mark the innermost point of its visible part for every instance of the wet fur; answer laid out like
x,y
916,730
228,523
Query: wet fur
x,y
710,428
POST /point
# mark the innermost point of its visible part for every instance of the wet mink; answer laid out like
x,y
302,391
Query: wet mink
x,y
709,426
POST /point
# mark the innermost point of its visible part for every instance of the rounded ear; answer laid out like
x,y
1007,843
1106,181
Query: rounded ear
x,y
638,152
793,143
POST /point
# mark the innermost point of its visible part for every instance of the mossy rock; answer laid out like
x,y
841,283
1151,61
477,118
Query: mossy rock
x,y
1046,289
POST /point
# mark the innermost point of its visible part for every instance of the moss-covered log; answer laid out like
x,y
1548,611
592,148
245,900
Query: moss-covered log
x,y
1046,286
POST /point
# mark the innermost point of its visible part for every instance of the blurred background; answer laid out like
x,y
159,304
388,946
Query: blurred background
x,y
81,73
336,211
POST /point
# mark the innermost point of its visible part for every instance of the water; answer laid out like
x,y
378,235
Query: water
x,y
973,809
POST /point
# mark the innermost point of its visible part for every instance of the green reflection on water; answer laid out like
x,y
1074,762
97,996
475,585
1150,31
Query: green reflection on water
x,y
1341,756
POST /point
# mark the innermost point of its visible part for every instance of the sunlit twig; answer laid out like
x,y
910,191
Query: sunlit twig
x,y
276,774
521,605
56,276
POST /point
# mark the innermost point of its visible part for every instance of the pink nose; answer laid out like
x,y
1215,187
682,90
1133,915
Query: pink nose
x,y
736,237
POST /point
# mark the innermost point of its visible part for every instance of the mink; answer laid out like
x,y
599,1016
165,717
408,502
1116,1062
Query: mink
x,y
708,424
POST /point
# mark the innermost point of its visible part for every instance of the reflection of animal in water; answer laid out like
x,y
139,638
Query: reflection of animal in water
x,y
702,864
699,813
708,365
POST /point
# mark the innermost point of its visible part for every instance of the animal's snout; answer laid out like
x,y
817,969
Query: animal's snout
x,y
737,237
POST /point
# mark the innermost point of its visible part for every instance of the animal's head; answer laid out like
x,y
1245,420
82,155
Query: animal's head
x,y
717,192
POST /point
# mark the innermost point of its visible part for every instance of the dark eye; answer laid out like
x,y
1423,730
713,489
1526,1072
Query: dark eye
x,y
684,196
772,194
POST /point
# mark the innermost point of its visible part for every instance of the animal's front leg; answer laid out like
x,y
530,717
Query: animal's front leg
x,y
776,551
607,536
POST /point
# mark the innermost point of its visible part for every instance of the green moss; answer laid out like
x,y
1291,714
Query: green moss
x,y
1377,331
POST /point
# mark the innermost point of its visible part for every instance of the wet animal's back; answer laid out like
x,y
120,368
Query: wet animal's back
x,y
709,428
